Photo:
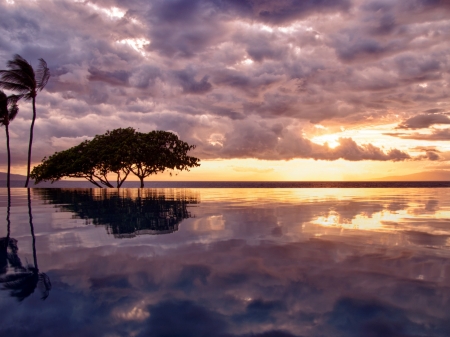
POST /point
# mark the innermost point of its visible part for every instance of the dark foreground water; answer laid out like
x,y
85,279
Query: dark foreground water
x,y
225,262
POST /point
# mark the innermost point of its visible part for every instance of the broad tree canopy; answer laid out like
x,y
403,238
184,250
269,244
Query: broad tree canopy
x,y
118,152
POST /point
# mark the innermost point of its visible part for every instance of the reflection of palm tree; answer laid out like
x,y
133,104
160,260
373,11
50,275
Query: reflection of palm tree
x,y
24,280
124,215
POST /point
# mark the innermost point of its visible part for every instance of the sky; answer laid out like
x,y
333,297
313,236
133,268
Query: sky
x,y
265,89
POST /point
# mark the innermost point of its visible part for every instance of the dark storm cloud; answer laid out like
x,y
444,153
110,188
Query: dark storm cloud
x,y
282,12
190,85
424,121
272,12
119,77
204,68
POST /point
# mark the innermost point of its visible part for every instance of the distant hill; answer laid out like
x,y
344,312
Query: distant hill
x,y
13,176
438,175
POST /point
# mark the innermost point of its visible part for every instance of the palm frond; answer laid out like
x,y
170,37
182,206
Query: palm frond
x,y
14,87
19,77
19,63
8,107
13,99
44,285
21,284
13,110
42,74
3,108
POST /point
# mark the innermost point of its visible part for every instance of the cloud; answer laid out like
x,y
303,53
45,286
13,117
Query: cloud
x,y
192,86
424,121
119,77
436,135
434,111
209,67
263,141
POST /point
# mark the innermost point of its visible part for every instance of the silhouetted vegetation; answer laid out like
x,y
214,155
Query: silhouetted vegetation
x,y
118,152
21,78
8,111
14,276
127,213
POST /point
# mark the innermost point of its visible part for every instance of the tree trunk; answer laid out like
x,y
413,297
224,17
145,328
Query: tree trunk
x,y
142,181
31,142
8,178
8,213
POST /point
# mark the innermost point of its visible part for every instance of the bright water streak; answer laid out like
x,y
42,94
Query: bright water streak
x,y
230,262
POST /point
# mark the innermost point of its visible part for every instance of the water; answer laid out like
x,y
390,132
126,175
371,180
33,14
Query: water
x,y
243,184
225,262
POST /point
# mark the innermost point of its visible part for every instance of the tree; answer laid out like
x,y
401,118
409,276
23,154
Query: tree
x,y
157,151
72,163
119,152
22,78
113,152
8,111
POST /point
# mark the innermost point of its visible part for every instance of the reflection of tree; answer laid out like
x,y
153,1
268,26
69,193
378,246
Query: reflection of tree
x,y
20,280
125,213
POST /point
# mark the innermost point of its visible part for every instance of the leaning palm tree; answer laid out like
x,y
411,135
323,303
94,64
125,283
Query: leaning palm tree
x,y
22,78
8,111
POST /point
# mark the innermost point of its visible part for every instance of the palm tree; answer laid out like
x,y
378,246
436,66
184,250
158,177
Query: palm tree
x,y
22,78
8,111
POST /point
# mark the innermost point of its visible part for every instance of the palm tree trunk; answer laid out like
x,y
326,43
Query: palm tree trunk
x,y
8,178
8,213
31,141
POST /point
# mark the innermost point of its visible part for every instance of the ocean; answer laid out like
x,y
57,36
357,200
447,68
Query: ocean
x,y
246,184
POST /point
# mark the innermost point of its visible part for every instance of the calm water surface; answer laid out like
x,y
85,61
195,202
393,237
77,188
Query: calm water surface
x,y
225,262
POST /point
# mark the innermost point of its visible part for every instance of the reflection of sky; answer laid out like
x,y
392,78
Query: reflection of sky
x,y
275,262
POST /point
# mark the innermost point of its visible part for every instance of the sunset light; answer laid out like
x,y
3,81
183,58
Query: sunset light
x,y
225,168
334,87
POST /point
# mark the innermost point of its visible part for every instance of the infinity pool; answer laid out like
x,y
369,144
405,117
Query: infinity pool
x,y
225,262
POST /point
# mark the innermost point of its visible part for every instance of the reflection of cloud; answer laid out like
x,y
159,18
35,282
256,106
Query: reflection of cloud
x,y
233,289
241,280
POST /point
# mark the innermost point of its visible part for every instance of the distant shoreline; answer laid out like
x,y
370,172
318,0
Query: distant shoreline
x,y
245,184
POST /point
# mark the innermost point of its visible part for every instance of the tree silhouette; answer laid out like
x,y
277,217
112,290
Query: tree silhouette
x,y
157,151
123,214
22,78
24,279
118,152
8,111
